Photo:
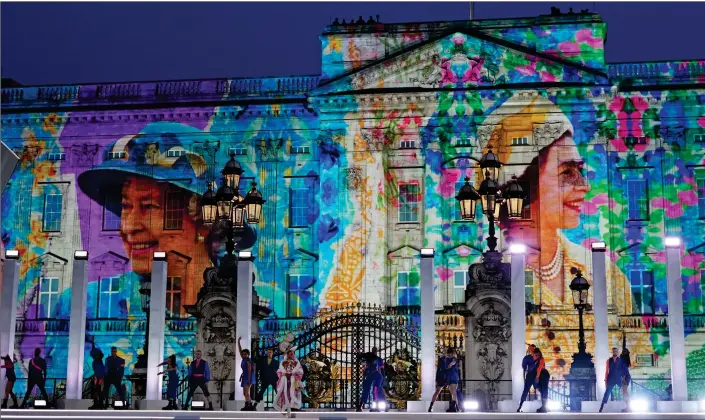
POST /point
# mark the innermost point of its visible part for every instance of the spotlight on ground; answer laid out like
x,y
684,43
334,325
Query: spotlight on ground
x,y
198,405
639,405
471,405
40,404
702,405
552,405
382,406
119,405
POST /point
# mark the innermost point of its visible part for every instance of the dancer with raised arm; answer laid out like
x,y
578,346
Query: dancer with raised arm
x,y
613,376
10,378
247,380
172,387
98,378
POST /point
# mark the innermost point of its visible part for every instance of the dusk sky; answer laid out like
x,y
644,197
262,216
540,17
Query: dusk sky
x,y
53,43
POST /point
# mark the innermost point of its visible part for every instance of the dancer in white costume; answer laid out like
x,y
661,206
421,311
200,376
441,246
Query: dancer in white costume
x,y
289,385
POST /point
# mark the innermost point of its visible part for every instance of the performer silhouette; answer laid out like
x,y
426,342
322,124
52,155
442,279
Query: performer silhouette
x,y
447,374
373,379
10,377
37,375
199,374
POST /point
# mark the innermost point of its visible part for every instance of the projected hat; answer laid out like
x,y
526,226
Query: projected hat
x,y
158,152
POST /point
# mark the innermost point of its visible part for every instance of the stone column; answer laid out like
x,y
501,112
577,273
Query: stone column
x,y
518,317
77,326
428,326
676,330
8,306
599,301
157,321
243,314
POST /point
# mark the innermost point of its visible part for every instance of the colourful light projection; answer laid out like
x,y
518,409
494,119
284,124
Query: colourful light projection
x,y
357,180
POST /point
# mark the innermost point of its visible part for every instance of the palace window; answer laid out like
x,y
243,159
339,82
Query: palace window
x,y
53,206
460,280
699,138
48,297
299,297
529,286
300,150
642,285
116,155
299,204
408,288
463,142
632,140
111,212
637,199
700,184
520,141
409,199
57,156
174,210
108,301
407,144
238,151
175,153
173,296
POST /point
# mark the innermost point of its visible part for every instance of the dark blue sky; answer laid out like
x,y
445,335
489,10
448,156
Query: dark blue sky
x,y
47,43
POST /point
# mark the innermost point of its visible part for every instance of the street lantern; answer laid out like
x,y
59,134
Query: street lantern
x,y
145,294
232,172
488,194
467,198
209,206
238,212
514,196
224,199
490,164
253,205
580,288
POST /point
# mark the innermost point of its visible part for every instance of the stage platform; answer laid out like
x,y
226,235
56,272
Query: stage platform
x,y
321,415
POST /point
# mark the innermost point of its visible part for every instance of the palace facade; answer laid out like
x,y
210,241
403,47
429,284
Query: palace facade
x,y
360,166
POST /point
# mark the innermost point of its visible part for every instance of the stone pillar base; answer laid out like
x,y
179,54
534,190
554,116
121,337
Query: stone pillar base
x,y
677,406
510,406
610,407
422,406
237,405
63,404
150,404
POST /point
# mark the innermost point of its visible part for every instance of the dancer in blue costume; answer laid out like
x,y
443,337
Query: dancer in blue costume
x,y
373,380
172,387
447,374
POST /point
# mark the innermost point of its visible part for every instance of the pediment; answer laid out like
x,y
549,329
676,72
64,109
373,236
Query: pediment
x,y
109,259
462,250
406,251
50,259
638,248
463,60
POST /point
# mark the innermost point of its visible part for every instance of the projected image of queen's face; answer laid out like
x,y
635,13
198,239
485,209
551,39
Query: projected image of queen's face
x,y
144,218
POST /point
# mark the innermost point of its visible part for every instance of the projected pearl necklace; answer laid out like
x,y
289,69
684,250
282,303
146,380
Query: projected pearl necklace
x,y
553,268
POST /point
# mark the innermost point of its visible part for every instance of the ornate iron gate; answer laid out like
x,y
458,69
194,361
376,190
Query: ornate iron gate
x,y
329,345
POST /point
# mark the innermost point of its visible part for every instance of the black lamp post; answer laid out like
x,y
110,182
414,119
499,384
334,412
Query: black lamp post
x,y
582,369
579,286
